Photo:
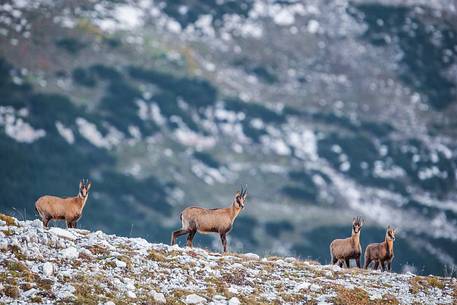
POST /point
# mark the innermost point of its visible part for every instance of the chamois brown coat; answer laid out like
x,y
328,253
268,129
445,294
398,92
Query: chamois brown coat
x,y
342,250
68,209
381,253
202,220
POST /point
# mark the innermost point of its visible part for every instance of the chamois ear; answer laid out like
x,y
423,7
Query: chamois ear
x,y
89,184
80,184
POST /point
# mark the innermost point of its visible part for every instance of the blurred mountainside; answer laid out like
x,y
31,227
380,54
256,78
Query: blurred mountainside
x,y
326,110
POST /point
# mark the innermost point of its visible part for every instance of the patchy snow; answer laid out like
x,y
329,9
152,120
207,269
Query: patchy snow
x,y
90,132
122,17
204,23
304,143
188,137
16,127
65,132
63,233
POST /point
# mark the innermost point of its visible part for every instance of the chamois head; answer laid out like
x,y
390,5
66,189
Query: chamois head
x,y
240,197
357,224
84,186
390,233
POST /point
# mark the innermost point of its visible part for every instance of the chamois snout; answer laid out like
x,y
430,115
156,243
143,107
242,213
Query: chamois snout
x,y
357,224
240,198
391,233
84,186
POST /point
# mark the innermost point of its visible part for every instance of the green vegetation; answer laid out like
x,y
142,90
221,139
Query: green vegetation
x,y
300,193
84,78
254,110
197,92
39,165
424,61
276,228
206,158
71,45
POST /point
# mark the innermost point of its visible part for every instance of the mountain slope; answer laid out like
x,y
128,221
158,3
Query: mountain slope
x,y
38,265
326,109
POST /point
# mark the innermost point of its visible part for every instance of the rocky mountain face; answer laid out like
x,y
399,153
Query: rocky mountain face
x,y
75,266
326,109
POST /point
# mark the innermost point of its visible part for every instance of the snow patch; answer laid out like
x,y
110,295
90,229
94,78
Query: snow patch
x,y
90,132
16,127
65,132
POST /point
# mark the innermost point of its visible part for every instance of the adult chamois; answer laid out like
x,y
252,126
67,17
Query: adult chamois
x,y
69,209
342,250
196,219
382,252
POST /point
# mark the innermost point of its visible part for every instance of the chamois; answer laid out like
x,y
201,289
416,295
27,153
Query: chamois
x,y
69,209
382,252
196,219
342,250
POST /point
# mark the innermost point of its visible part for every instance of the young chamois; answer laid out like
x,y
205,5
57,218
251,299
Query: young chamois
x,y
68,209
381,253
195,219
342,250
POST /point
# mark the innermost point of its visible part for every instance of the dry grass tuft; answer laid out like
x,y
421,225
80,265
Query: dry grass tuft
x,y
236,277
354,296
10,221
155,256
419,283
435,282
358,296
12,291
98,250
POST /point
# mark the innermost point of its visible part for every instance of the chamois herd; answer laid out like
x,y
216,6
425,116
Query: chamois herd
x,y
220,221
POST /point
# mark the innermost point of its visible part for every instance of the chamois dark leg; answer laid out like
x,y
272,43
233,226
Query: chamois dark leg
x,y
334,260
224,241
376,265
340,263
347,262
367,262
177,234
69,225
383,266
389,265
190,237
46,222
357,261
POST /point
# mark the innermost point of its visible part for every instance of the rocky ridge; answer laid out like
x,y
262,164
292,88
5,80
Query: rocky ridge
x,y
61,266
